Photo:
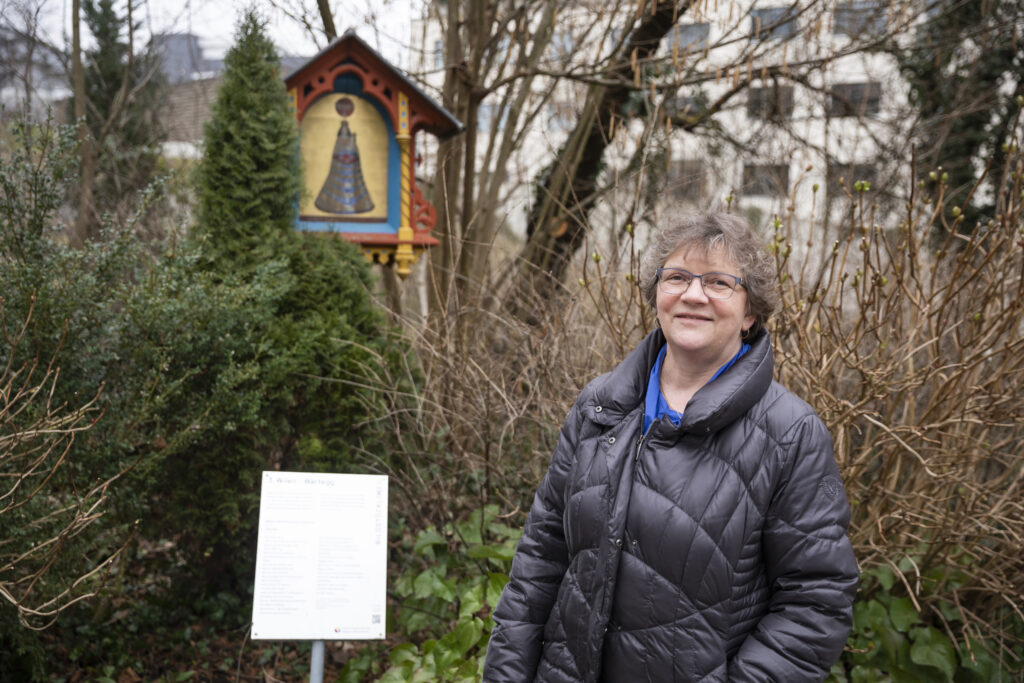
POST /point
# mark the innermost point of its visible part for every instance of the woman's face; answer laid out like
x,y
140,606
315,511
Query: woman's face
x,y
701,331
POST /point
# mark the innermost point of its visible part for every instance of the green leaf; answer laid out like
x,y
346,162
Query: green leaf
x,y
895,645
400,654
974,657
355,668
837,674
457,642
502,552
866,674
468,633
404,585
950,612
471,601
932,648
903,614
885,576
430,583
442,658
425,674
399,674
903,676
869,616
496,582
427,539
501,530
412,621
469,531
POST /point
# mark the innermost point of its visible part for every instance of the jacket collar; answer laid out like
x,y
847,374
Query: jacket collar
x,y
618,393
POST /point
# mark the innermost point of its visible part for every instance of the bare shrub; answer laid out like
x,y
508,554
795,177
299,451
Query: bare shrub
x,y
911,347
476,416
47,546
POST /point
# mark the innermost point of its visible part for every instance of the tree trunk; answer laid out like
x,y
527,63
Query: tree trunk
x,y
87,153
481,227
557,223
447,174
325,16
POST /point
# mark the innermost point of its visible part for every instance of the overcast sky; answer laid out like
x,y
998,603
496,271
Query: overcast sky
x,y
384,24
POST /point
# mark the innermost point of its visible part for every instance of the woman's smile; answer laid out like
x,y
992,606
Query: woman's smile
x,y
702,333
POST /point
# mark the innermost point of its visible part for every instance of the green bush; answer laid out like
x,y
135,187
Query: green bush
x,y
444,597
209,375
894,639
318,342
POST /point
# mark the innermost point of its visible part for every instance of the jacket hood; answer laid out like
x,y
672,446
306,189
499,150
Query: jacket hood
x,y
612,396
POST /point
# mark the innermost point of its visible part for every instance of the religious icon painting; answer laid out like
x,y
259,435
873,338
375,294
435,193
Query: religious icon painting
x,y
345,150
344,190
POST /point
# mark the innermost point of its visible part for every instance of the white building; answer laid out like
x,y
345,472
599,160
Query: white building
x,y
811,107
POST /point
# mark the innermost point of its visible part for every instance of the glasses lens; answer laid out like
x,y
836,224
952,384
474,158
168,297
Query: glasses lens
x,y
718,285
675,281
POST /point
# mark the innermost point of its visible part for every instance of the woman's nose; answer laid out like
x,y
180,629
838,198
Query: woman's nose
x,y
695,292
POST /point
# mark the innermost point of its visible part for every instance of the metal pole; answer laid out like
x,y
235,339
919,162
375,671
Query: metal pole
x,y
316,664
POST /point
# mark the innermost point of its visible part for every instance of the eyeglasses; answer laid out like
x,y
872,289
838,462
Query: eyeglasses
x,y
675,281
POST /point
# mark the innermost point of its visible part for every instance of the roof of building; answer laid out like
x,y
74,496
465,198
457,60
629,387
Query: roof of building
x,y
445,124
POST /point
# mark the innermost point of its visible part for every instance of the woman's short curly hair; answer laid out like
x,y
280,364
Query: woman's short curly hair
x,y
710,232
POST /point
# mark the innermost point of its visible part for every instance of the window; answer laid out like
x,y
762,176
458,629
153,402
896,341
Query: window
x,y
690,37
771,180
438,54
686,179
850,173
855,99
561,115
684,105
855,19
772,103
777,23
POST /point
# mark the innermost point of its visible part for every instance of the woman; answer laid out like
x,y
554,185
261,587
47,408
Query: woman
x,y
692,524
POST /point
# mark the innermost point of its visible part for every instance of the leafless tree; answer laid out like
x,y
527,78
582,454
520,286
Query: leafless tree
x,y
623,80
572,110
26,57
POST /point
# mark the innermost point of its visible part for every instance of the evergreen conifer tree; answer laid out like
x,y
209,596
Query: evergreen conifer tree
x,y
249,176
321,350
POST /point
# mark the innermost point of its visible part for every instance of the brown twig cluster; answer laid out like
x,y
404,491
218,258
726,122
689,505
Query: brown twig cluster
x,y
44,512
908,341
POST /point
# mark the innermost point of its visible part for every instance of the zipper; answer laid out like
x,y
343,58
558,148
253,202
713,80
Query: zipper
x,y
640,443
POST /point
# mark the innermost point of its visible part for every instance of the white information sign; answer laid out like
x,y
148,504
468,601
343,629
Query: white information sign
x,y
321,558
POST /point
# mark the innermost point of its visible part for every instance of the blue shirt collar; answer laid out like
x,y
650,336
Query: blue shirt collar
x,y
655,405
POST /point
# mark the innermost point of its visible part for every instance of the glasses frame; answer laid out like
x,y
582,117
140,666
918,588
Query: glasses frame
x,y
699,276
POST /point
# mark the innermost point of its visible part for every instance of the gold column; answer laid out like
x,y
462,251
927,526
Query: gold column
x,y
404,254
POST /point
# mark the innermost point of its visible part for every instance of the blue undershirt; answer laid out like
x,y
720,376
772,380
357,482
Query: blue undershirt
x,y
655,405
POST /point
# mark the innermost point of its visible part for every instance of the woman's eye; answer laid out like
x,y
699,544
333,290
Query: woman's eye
x,y
718,282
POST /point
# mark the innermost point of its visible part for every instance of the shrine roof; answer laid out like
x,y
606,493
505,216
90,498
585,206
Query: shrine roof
x,y
351,45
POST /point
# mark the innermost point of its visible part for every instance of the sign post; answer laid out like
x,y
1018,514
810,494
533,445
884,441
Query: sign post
x,y
321,559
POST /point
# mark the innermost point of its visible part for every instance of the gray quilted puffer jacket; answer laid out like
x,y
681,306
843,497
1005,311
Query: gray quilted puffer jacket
x,y
712,551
